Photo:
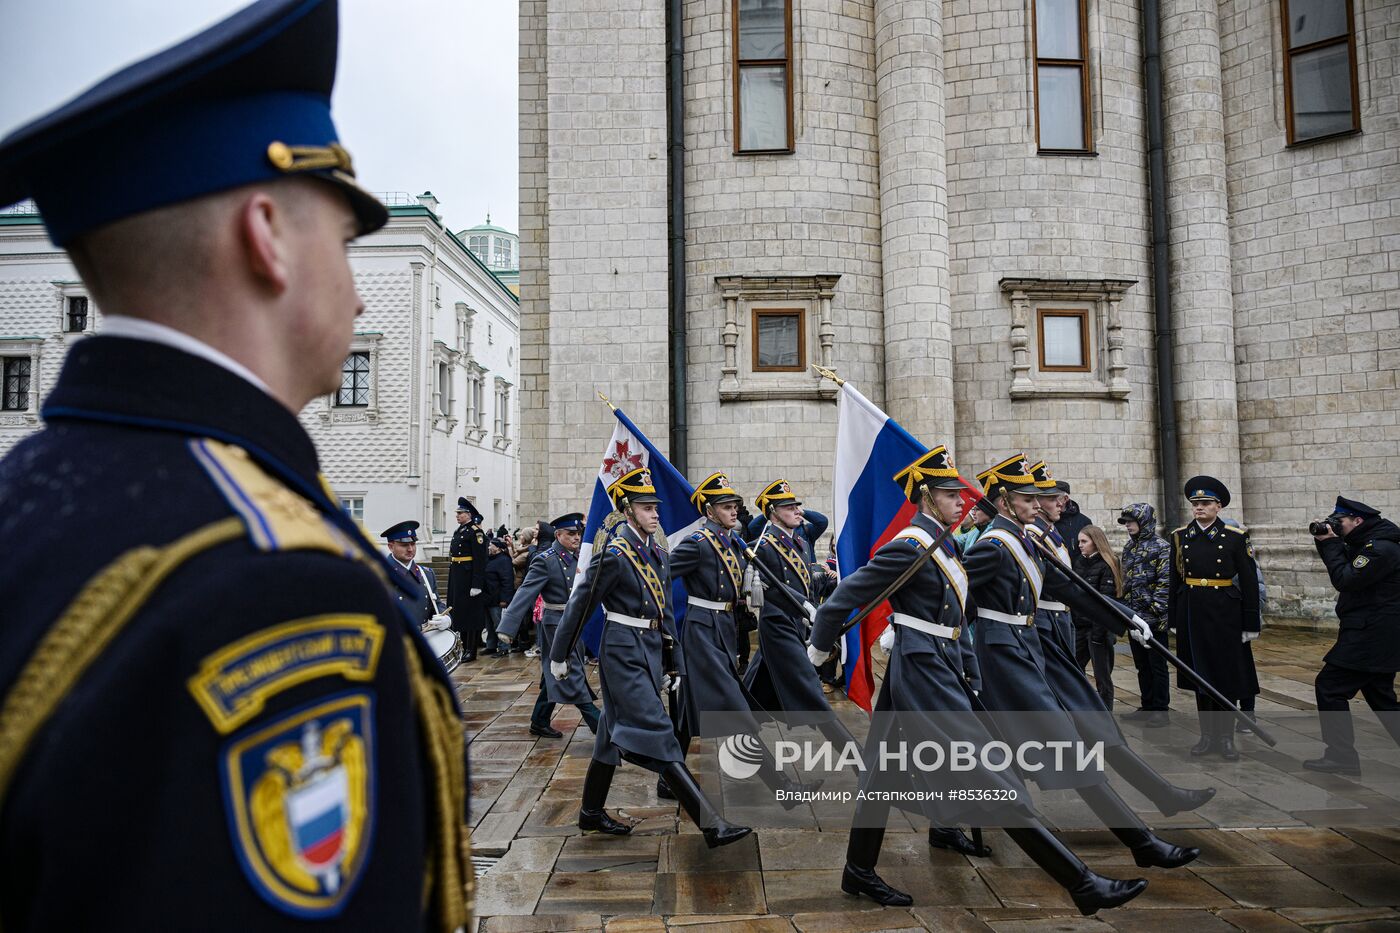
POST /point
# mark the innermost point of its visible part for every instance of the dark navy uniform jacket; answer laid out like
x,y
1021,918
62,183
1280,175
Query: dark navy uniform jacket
x,y
1365,570
550,575
1214,598
415,597
468,554
255,743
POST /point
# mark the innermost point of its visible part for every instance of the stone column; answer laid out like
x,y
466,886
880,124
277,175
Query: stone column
x,y
534,264
914,216
1203,310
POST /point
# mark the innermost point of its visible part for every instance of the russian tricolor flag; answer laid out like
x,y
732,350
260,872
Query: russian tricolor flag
x,y
870,509
629,449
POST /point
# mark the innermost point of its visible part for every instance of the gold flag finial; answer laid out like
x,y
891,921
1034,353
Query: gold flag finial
x,y
829,374
607,400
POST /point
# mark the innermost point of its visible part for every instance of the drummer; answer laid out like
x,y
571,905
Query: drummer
x,y
403,548
551,576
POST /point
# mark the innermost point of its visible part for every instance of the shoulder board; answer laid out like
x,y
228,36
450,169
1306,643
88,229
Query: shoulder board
x,y
697,536
1182,528
277,519
1034,529
916,536
1238,531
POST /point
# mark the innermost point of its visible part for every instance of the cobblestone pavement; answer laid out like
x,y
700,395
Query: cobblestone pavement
x,y
1283,849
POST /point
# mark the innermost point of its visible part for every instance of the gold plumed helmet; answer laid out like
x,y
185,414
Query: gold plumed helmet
x,y
777,492
714,489
632,488
934,469
1010,475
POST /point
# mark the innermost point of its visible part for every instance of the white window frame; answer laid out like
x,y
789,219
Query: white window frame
x,y
476,401
31,348
501,438
67,290
363,342
445,362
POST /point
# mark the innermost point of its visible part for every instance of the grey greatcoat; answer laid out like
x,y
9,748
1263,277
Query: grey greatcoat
x,y
1053,618
779,676
551,575
927,673
630,660
712,680
1013,657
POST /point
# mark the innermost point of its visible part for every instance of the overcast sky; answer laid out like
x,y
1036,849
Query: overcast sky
x,y
425,97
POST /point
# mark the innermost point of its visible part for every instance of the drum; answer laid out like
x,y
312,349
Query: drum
x,y
447,645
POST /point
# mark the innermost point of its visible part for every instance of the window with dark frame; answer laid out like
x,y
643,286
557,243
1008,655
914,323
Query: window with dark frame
x,y
1319,70
354,382
16,377
1061,47
1063,337
762,76
76,319
779,340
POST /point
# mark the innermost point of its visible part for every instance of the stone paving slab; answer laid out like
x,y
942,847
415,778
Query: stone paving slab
x,y
1283,850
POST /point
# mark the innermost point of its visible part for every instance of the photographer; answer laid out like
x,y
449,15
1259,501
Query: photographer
x,y
1362,554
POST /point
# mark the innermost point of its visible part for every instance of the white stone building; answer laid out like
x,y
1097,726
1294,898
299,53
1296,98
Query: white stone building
x,y
951,203
498,248
428,409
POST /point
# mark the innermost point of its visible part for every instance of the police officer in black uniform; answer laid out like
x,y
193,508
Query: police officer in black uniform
x,y
1214,607
421,597
215,713
466,580
1362,554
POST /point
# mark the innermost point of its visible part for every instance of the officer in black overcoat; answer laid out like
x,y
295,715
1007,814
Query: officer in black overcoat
x,y
466,580
630,576
1214,607
926,675
1362,553
215,713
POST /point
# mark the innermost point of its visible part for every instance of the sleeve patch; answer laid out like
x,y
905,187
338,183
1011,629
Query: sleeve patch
x,y
300,798
234,683
1361,561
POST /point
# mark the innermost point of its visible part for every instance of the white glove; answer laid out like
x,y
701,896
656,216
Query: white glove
x,y
816,655
670,684
559,669
474,592
887,639
1138,629
811,612
1247,637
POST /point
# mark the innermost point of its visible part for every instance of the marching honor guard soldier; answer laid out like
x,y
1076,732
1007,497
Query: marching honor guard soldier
x,y
215,712
779,677
1052,618
403,548
926,674
1024,672
1214,607
551,575
1362,553
711,562
466,580
630,575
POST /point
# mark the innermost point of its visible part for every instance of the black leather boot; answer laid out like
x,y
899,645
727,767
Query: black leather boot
x,y
1226,747
663,790
717,831
1165,796
775,780
862,852
592,818
1091,892
1152,852
1207,740
956,840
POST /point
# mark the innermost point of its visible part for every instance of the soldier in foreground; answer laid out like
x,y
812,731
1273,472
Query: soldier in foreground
x,y
214,713
551,575
925,674
631,576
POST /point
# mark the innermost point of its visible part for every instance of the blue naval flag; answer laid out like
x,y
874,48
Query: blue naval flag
x,y
629,449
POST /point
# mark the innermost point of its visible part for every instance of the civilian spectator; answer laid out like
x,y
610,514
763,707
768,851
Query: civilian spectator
x,y
500,587
1146,583
1093,642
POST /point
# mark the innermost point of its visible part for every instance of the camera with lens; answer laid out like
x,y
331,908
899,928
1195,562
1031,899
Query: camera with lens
x,y
1320,528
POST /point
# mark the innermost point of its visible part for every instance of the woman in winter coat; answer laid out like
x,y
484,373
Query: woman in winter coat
x,y
1099,565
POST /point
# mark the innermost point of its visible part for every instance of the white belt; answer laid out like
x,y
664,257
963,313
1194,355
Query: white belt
x,y
556,607
930,628
632,621
1053,607
709,604
994,616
